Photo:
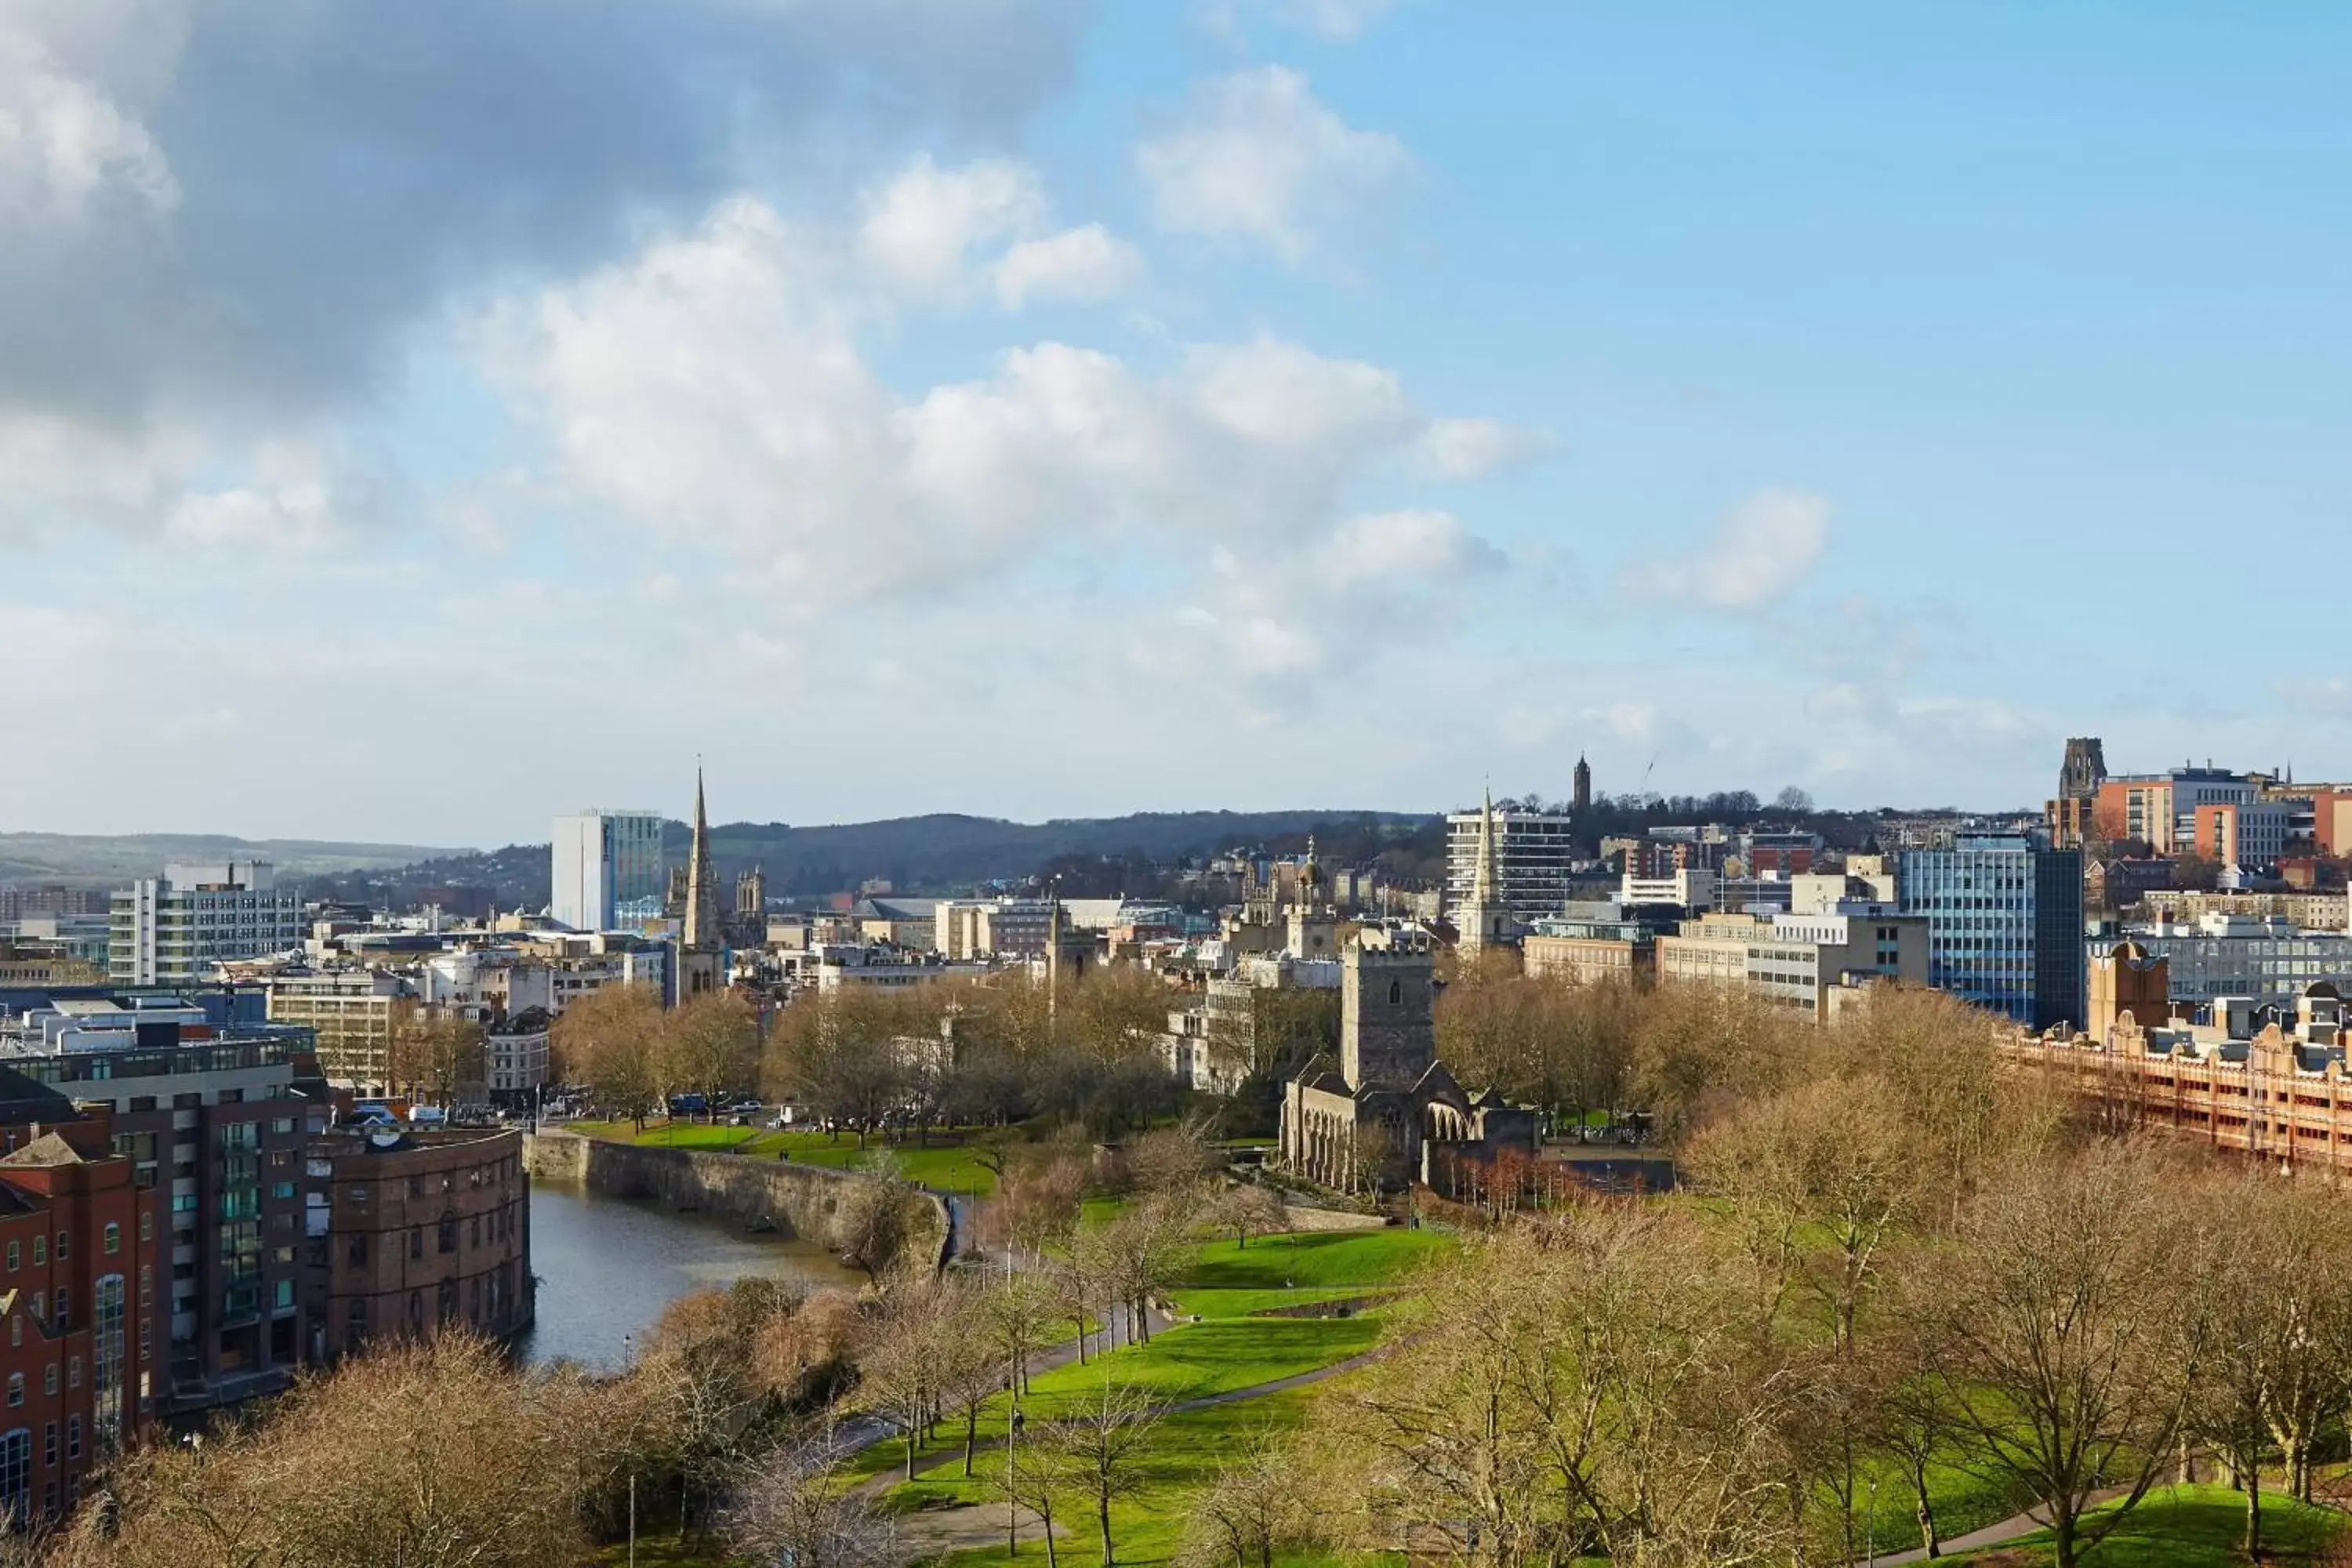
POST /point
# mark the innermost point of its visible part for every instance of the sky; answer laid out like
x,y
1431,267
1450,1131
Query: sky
x,y
418,420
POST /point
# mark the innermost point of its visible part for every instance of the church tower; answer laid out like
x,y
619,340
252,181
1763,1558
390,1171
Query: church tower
x,y
1486,920
702,929
1314,925
1581,801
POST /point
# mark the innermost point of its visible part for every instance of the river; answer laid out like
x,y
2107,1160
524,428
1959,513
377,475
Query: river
x,y
608,1266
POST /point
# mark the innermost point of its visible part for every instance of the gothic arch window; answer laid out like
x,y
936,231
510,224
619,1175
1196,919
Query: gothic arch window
x,y
1396,993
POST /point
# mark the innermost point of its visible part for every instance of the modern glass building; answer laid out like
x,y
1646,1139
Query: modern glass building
x,y
608,871
2004,924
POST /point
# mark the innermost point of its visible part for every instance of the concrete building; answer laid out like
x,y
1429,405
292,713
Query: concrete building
x,y
423,1232
2246,835
608,871
351,1013
2004,914
1533,852
44,964
1229,1034
1798,961
2264,958
1593,943
515,1057
1690,890
172,930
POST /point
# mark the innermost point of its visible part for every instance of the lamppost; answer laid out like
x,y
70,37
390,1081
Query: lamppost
x,y
1012,1494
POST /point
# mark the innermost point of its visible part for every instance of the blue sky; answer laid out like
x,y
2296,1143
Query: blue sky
x,y
414,423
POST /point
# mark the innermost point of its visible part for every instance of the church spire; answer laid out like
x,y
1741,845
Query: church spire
x,y
1482,876
702,928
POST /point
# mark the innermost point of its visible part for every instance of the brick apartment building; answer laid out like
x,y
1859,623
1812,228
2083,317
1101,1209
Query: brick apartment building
x,y
78,1257
424,1231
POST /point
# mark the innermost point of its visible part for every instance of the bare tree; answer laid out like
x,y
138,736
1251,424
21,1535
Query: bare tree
x,y
2068,1330
873,1220
1247,1209
1256,1507
710,1045
1098,1439
788,1511
608,1040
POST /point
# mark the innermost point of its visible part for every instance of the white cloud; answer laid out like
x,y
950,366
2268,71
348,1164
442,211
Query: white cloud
x,y
1338,21
1082,265
1257,157
1407,545
920,227
65,145
1473,448
716,387
1765,546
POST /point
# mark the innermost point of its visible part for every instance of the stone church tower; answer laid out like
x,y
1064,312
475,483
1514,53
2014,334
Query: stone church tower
x,y
1486,921
702,940
1388,1030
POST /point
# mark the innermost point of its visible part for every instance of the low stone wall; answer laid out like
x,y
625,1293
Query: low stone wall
x,y
798,1200
1299,1217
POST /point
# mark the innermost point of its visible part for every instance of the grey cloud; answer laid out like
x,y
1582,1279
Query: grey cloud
x,y
344,167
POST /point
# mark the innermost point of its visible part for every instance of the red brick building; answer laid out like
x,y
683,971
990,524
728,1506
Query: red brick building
x,y
78,1272
423,1230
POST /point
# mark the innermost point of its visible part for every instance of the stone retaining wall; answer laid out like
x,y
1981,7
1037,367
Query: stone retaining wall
x,y
798,1200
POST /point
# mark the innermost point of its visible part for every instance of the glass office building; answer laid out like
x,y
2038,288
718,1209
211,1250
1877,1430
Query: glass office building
x,y
2004,924
608,870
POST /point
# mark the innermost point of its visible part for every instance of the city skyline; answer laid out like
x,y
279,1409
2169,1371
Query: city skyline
x,y
1219,405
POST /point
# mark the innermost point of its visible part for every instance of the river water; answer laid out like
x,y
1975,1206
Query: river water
x,y
608,1266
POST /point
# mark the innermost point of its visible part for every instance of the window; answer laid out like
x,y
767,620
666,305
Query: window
x,y
73,1372
62,1240
114,1237
15,1388
281,1189
449,1233
49,1444
14,1248
16,1330
40,1251
356,1194
16,1473
1396,992
49,1378
282,1124
357,1255
65,1309
147,1225
73,1437
417,1242
416,1186
41,1305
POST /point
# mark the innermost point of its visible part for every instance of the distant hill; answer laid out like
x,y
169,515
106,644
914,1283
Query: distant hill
x,y
114,861
925,854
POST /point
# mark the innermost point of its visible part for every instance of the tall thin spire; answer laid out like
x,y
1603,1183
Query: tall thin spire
x,y
702,928
1482,876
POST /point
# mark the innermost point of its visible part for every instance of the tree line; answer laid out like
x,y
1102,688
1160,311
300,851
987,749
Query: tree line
x,y
1897,1261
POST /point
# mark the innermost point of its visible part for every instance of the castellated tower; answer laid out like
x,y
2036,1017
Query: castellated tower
x,y
1388,1030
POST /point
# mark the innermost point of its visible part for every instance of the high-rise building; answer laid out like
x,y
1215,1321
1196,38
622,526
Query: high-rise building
x,y
2004,924
608,870
172,930
1533,853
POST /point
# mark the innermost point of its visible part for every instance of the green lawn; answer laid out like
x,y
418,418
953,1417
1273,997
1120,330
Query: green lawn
x,y
945,1162
2190,1526
1324,1261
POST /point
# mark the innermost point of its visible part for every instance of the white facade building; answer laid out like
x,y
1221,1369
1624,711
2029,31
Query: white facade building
x,y
607,869
1534,851
172,930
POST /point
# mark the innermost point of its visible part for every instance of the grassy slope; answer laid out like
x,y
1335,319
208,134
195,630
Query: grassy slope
x,y
2190,1527
946,1164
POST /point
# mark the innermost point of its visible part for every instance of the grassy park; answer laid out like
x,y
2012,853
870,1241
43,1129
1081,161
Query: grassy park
x,y
945,1163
